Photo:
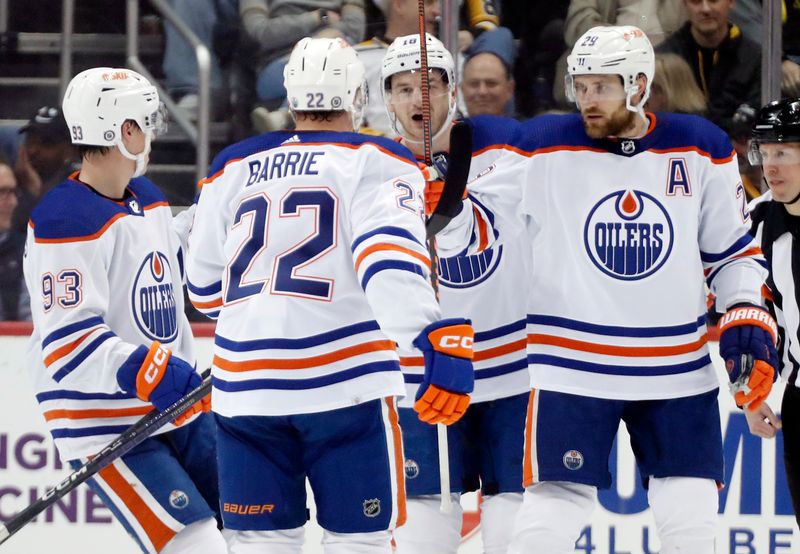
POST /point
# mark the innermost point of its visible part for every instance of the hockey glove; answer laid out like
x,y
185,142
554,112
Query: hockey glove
x,y
747,341
443,396
161,379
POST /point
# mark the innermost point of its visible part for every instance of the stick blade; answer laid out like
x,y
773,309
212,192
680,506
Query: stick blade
x,y
456,180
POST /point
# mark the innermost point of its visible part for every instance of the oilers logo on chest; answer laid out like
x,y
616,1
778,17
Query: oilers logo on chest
x,y
628,235
153,299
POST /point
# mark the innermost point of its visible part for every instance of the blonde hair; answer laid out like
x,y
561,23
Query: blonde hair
x,y
675,79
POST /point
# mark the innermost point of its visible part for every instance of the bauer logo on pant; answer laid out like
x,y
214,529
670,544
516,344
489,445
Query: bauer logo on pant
x,y
573,460
372,507
154,300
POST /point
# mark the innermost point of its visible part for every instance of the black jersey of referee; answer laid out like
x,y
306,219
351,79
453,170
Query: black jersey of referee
x,y
778,232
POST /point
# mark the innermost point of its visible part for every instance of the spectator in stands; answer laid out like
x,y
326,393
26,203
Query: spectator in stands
x,y
487,85
726,64
657,18
14,302
274,26
791,50
203,17
674,88
45,158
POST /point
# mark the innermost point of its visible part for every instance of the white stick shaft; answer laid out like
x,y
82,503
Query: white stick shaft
x,y
444,469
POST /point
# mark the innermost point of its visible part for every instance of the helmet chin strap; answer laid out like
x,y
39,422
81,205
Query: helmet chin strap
x,y
141,158
790,202
638,108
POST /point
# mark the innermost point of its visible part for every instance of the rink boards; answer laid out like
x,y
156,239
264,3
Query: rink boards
x,y
756,513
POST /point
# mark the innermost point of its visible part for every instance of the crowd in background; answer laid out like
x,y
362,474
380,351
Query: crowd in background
x,y
512,62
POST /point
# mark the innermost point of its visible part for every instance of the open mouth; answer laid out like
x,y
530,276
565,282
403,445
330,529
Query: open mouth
x,y
417,117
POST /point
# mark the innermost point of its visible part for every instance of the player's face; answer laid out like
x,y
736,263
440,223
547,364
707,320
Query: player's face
x,y
405,101
486,86
601,99
781,164
8,196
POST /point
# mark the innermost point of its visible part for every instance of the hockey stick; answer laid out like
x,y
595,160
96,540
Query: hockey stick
x,y
427,146
455,181
127,441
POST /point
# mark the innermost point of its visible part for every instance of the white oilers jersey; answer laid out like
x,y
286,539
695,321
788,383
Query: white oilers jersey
x,y
488,287
623,233
104,278
309,249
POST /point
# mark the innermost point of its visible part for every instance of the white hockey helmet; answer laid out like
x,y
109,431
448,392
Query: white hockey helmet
x,y
404,55
325,74
99,100
625,51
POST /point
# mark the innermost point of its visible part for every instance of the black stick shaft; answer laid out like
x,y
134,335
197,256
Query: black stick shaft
x,y
128,440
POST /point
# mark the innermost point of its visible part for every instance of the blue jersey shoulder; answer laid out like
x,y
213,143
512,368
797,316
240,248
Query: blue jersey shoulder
x,y
550,131
491,130
691,131
146,191
392,146
267,141
72,210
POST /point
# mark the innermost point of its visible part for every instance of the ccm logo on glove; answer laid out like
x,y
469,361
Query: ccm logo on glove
x,y
453,340
160,357
456,342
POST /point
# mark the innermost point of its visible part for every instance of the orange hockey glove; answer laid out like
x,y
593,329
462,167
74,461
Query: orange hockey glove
x,y
747,344
161,379
443,396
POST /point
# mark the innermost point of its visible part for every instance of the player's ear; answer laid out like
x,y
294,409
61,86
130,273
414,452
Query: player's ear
x,y
128,127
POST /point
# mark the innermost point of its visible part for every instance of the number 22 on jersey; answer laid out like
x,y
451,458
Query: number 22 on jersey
x,y
320,207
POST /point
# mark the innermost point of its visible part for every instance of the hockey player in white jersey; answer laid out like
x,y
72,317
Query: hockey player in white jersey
x,y
627,211
110,339
485,447
308,248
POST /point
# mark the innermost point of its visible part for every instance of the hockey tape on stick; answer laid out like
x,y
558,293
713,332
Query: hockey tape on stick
x,y
455,182
128,440
427,148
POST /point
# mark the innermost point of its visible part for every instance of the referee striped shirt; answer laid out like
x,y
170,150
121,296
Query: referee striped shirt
x,y
778,232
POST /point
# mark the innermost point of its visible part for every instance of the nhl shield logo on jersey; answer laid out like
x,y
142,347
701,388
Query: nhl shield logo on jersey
x,y
628,235
573,460
461,272
153,299
372,507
